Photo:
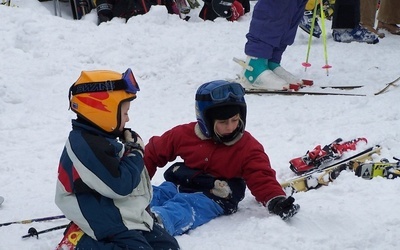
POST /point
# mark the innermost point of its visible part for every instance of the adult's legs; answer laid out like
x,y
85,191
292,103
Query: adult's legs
x,y
368,15
272,28
389,16
368,12
346,14
346,25
272,23
389,11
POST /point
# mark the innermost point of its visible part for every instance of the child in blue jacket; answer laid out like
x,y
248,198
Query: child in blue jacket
x,y
103,186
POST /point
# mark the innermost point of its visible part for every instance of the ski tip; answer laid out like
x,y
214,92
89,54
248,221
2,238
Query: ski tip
x,y
1,199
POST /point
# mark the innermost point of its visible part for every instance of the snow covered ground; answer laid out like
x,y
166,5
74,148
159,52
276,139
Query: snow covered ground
x,y
41,55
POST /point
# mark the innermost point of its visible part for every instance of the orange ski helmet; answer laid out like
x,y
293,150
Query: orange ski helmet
x,y
97,96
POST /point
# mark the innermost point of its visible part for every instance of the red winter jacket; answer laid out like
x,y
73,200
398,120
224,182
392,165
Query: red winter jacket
x,y
245,159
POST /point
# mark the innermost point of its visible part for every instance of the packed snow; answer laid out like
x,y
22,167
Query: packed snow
x,y
41,55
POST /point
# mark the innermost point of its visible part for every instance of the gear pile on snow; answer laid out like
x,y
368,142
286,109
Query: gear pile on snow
x,y
323,175
320,156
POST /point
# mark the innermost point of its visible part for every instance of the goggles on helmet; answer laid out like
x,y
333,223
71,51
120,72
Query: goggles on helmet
x,y
127,83
222,93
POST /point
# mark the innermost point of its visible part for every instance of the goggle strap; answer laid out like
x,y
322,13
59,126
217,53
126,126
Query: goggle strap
x,y
205,97
92,87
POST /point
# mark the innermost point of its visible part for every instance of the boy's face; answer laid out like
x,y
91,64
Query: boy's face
x,y
226,127
124,114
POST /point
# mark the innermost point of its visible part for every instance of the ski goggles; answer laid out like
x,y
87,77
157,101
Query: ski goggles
x,y
127,83
130,82
222,93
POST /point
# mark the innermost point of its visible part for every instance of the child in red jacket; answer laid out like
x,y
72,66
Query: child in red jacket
x,y
220,159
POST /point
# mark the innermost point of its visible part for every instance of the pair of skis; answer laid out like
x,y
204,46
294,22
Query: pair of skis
x,y
302,92
343,87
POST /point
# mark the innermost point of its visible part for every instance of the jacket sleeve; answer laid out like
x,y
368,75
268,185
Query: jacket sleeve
x,y
99,166
159,151
259,175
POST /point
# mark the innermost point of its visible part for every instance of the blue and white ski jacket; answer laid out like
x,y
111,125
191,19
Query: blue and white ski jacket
x,y
100,189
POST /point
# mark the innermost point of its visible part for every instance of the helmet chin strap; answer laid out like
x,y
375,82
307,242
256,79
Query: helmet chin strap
x,y
232,136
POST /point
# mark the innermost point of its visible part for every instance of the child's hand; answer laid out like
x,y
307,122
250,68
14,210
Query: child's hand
x,y
133,142
221,189
284,207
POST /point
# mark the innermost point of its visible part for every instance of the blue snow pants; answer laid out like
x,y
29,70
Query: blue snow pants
x,y
181,212
158,238
273,27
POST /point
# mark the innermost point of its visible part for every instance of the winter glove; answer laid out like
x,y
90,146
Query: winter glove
x,y
237,11
133,142
104,12
283,207
221,189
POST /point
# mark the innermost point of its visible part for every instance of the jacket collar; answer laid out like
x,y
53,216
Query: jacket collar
x,y
202,137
